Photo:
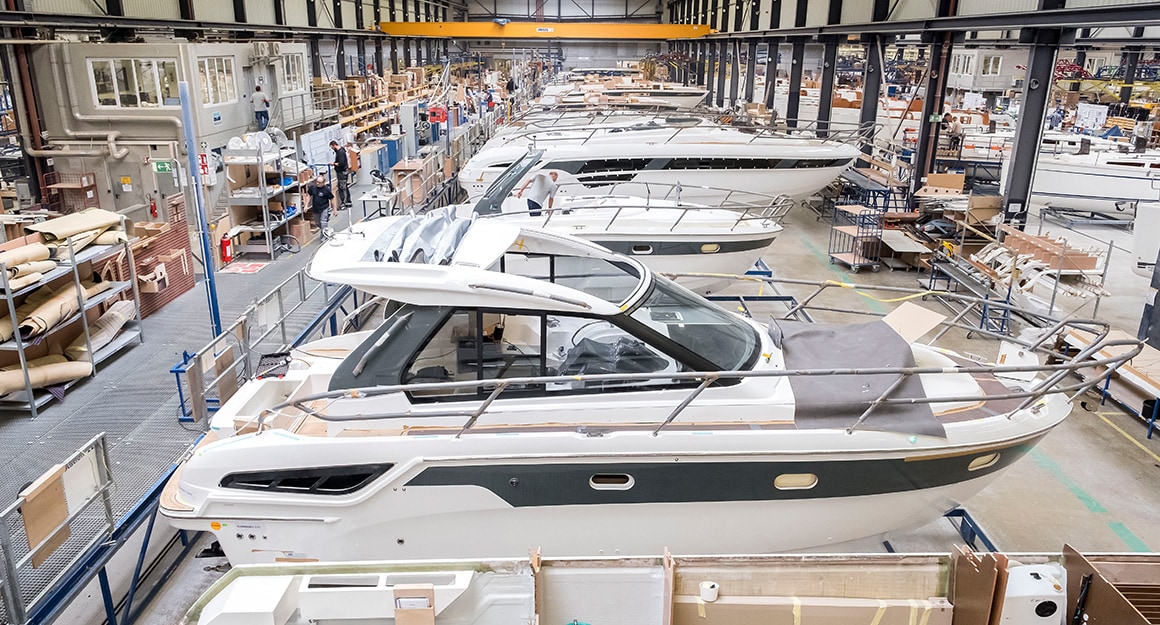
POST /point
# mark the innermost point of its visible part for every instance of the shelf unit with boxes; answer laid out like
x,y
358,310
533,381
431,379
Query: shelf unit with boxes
x,y
856,236
263,197
84,264
68,193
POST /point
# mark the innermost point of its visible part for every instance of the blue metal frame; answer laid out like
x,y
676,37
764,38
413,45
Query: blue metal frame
x,y
92,563
178,370
1105,395
969,529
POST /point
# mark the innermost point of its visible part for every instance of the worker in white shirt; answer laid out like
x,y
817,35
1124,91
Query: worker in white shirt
x,y
261,107
540,189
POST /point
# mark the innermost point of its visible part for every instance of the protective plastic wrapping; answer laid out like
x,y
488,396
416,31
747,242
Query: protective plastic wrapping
x,y
590,357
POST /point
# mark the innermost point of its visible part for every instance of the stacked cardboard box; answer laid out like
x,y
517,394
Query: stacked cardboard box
x,y
169,246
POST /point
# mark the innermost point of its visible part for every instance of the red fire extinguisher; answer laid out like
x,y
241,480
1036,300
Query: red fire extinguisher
x,y
227,249
152,207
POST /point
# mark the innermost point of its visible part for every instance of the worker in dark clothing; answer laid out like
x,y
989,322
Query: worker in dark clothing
x,y
321,204
341,167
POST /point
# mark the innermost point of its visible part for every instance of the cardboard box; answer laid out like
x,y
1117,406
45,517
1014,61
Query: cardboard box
x,y
154,282
760,610
943,184
302,229
148,229
982,209
414,604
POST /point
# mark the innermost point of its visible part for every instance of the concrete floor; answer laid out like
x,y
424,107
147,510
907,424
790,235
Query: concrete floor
x,y
1088,484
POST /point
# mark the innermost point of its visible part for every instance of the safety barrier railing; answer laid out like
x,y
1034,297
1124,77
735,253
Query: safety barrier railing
x,y
1059,365
206,377
53,523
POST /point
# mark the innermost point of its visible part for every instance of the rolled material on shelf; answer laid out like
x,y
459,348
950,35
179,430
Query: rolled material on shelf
x,y
24,269
34,300
16,284
102,331
42,372
25,254
62,306
62,228
112,237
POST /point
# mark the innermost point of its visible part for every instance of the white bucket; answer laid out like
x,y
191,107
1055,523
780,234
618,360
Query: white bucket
x,y
709,591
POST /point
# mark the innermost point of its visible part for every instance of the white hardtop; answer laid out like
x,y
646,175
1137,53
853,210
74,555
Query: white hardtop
x,y
437,259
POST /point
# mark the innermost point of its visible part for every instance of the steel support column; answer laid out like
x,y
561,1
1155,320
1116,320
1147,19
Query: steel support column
x,y
340,58
795,82
932,105
1080,60
701,46
722,59
1131,61
750,70
771,52
406,50
1040,72
735,73
394,55
871,91
826,92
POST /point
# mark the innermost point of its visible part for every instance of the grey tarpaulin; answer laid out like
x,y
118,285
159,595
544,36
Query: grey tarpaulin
x,y
836,401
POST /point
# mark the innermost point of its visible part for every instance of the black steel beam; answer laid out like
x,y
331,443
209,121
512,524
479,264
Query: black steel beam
x,y
735,73
722,59
701,63
394,55
793,107
714,9
185,9
240,11
340,58
774,14
1128,16
801,12
754,15
738,14
932,105
1131,62
770,72
826,92
1040,72
834,15
114,8
871,90
750,70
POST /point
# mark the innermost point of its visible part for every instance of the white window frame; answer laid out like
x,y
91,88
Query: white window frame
x,y
293,81
113,64
210,92
988,61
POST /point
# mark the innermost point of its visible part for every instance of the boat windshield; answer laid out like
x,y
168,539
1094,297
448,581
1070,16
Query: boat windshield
x,y
704,329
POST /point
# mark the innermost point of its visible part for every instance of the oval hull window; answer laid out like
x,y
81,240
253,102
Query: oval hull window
x,y
795,481
642,249
611,481
710,248
984,461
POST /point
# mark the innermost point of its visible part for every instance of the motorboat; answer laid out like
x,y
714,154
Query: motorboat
x,y
690,152
532,389
650,221
1102,181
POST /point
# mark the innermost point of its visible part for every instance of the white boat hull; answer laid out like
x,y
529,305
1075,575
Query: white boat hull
x,y
471,521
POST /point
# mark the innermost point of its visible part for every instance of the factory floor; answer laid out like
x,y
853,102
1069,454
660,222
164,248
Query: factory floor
x,y
1088,484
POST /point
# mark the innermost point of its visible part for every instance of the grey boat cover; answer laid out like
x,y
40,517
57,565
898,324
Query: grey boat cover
x,y
836,401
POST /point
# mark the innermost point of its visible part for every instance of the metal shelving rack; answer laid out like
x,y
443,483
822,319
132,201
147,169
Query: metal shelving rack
x,y
30,399
856,236
244,208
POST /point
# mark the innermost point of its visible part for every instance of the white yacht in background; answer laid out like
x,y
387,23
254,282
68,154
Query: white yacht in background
x,y
534,390
691,153
653,222
1107,181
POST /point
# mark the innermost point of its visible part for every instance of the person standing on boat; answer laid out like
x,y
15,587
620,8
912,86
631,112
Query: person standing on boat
x,y
321,203
542,189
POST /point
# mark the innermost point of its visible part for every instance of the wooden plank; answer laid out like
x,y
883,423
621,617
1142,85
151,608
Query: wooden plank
x,y
43,510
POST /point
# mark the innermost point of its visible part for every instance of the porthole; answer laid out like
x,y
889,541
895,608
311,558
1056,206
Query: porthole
x,y
611,481
984,461
710,248
795,481
642,249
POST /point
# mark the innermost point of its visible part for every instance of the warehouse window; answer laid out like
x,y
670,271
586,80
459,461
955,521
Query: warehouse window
x,y
293,78
967,61
991,65
134,83
217,80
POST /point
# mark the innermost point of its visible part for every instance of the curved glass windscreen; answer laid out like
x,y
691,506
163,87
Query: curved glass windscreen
x,y
702,328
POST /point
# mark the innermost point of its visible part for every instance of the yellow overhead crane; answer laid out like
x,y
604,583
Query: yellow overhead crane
x,y
502,29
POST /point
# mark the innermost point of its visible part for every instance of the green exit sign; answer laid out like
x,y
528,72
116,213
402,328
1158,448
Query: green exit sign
x,y
162,167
